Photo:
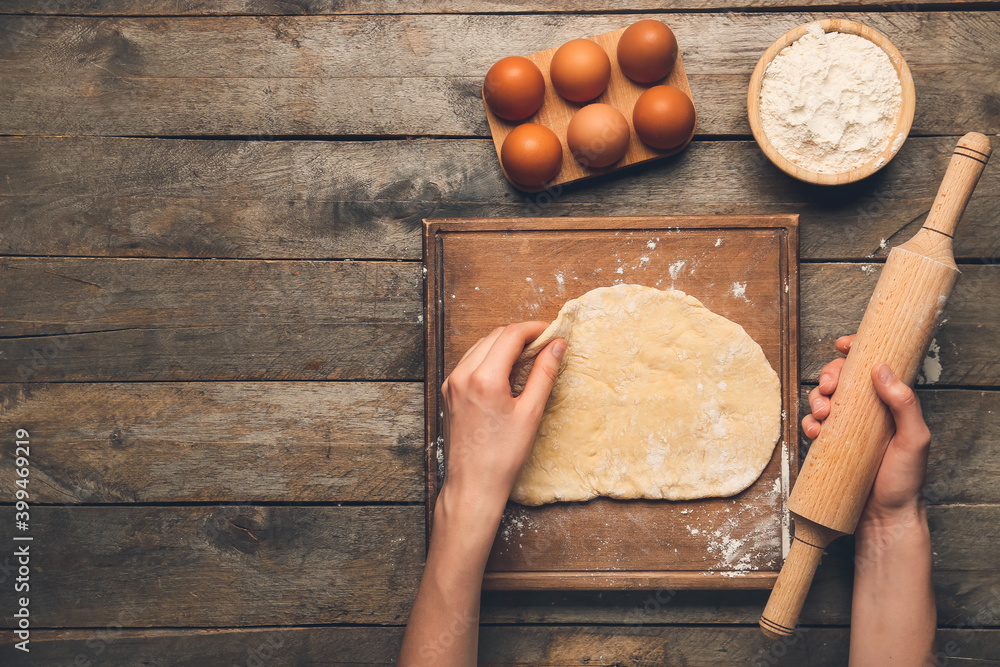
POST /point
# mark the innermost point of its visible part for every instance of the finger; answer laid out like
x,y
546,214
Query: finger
x,y
472,347
819,404
810,426
474,357
543,376
911,431
507,347
829,377
844,343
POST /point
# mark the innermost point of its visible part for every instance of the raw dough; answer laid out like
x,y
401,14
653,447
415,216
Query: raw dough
x,y
657,397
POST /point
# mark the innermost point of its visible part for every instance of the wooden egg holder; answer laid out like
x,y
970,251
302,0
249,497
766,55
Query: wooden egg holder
x,y
556,112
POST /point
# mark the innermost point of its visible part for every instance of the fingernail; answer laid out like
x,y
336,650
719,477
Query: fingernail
x,y
885,375
824,379
559,349
817,404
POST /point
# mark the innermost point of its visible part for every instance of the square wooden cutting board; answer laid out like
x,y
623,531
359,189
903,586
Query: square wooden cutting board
x,y
484,273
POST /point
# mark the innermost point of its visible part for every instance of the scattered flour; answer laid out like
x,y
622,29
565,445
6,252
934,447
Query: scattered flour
x,y
675,268
739,290
930,372
561,282
514,523
439,455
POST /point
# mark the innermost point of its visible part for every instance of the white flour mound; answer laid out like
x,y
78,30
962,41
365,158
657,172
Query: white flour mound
x,y
829,100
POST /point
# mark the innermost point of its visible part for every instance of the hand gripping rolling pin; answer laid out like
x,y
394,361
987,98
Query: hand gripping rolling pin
x,y
837,476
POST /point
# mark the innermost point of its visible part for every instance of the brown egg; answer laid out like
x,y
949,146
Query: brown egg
x,y
514,88
531,154
597,135
647,51
663,117
580,70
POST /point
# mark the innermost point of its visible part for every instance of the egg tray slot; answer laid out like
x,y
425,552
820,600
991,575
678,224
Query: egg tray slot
x,y
556,112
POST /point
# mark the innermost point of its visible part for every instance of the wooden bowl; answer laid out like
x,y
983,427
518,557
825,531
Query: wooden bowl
x,y
904,118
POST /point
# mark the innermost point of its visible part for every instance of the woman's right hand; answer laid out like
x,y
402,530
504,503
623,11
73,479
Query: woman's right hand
x,y
898,489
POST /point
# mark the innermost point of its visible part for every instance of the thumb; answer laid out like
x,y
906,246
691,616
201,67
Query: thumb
x,y
911,431
543,375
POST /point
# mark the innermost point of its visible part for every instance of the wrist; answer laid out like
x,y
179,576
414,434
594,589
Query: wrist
x,y
886,532
474,516
906,516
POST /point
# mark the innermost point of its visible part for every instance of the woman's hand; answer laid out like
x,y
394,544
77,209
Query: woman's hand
x,y
487,437
893,616
487,432
899,484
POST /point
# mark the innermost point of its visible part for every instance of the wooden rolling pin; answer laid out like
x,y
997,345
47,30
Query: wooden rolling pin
x,y
837,476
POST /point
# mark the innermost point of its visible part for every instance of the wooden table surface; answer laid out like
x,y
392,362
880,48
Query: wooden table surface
x,y
210,316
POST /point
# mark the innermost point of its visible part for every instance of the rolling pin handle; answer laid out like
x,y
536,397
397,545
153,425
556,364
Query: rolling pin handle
x,y
785,604
966,166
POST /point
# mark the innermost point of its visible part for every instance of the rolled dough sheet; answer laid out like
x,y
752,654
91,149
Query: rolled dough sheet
x,y
657,397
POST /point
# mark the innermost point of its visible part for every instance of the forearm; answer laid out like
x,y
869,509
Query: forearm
x,y
893,616
443,628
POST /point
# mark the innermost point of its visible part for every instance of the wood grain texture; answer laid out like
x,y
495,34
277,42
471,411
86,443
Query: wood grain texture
x,y
136,293
219,566
837,291
341,7
365,199
404,75
232,442
212,566
555,645
959,597
192,320
128,450
320,76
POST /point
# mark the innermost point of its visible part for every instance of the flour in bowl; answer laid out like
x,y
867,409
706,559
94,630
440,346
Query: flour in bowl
x,y
829,101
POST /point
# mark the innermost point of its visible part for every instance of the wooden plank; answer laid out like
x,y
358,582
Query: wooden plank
x,y
959,595
239,442
366,199
974,302
320,76
241,351
192,319
83,294
346,7
211,566
221,320
352,442
504,645
964,463
214,566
